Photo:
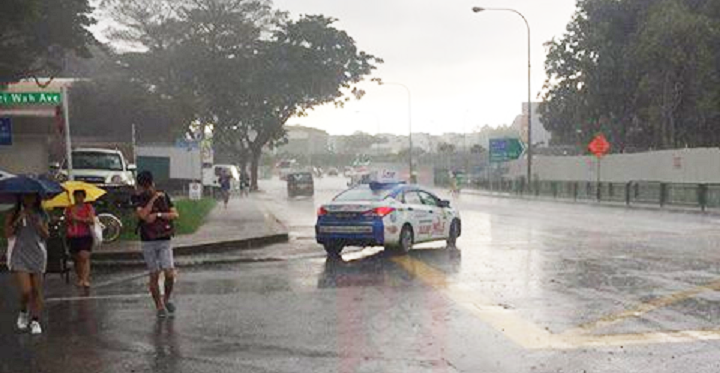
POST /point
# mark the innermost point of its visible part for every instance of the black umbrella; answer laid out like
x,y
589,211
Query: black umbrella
x,y
11,187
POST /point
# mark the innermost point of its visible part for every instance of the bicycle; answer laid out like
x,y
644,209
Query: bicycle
x,y
111,227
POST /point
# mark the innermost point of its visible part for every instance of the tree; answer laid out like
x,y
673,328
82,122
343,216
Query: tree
x,y
37,35
643,72
246,68
307,63
477,149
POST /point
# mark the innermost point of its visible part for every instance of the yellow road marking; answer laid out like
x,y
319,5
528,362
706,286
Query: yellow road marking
x,y
645,308
530,336
506,321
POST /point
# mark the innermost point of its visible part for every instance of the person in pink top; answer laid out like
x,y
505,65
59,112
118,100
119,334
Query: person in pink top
x,y
80,217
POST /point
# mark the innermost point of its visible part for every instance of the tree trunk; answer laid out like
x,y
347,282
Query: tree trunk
x,y
254,165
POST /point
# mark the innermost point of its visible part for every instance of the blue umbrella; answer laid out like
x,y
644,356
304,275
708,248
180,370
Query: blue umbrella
x,y
13,186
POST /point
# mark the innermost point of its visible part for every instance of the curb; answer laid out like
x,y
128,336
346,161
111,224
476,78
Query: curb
x,y
608,204
201,249
184,262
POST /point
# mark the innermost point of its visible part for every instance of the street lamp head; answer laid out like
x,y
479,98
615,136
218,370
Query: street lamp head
x,y
478,9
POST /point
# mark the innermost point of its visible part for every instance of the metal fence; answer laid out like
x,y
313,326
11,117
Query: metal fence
x,y
701,196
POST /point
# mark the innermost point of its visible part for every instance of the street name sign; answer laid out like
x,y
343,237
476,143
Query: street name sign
x,y
30,98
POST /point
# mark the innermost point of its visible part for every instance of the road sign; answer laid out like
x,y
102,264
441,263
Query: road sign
x,y
504,150
5,131
30,98
599,146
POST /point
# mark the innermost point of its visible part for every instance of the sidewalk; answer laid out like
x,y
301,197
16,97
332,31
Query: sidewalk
x,y
242,226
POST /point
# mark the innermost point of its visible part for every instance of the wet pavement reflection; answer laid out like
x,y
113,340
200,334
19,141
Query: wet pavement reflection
x,y
532,287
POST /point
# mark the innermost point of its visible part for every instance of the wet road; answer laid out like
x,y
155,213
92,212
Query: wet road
x,y
533,287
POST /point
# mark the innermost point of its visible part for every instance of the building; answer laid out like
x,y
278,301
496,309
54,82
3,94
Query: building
x,y
540,136
306,140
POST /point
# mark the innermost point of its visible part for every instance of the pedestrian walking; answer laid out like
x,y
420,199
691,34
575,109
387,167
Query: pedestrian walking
x,y
225,186
80,218
27,229
156,214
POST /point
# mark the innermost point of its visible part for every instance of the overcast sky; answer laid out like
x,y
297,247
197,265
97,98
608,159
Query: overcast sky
x,y
464,69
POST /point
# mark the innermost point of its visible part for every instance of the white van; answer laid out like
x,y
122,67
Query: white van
x,y
211,176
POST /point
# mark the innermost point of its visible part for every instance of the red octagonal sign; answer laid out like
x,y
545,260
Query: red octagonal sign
x,y
599,146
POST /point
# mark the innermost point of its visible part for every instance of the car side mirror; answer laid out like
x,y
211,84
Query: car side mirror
x,y
444,204
132,167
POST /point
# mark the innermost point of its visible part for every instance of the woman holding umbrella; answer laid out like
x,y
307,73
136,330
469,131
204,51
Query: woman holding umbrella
x,y
26,228
27,258
80,218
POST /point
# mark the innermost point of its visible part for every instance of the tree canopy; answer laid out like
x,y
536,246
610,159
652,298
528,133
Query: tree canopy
x,y
645,73
37,35
244,67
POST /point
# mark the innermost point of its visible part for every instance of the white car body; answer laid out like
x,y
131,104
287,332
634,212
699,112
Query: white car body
x,y
121,176
380,222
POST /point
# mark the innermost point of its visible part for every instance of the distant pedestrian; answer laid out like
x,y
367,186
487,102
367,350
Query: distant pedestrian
x,y
225,185
156,214
80,218
27,226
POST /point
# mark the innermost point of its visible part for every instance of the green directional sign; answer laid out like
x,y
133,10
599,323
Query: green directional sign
x,y
30,98
504,150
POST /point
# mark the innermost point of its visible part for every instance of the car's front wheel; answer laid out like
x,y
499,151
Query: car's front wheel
x,y
333,248
454,233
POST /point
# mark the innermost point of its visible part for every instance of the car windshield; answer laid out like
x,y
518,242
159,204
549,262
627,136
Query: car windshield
x,y
362,194
97,161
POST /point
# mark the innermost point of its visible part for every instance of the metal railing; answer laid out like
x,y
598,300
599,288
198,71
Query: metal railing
x,y
701,196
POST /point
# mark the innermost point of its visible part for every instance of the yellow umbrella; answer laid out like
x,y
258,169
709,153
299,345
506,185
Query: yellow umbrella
x,y
92,194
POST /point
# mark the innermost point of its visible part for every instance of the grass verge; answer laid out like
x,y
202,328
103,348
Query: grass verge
x,y
192,217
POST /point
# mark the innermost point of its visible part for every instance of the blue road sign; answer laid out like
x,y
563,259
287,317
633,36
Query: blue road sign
x,y
5,131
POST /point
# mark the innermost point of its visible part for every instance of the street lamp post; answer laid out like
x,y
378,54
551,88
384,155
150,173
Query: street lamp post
x,y
478,9
410,136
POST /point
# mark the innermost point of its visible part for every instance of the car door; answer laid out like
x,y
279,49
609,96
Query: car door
x,y
439,222
420,216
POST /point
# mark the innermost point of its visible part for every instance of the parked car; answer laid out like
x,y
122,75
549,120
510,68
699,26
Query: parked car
x,y
333,172
393,215
300,184
106,168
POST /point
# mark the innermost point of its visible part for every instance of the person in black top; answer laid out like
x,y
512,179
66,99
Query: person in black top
x,y
156,214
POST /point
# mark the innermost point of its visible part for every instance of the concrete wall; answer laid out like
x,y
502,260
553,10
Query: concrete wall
x,y
672,166
27,154
184,164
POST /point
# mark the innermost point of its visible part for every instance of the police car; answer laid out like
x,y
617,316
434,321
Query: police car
x,y
393,215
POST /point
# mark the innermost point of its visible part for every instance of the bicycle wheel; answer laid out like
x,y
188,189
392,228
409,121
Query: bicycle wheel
x,y
111,227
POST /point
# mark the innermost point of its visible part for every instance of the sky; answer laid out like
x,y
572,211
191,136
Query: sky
x,y
464,70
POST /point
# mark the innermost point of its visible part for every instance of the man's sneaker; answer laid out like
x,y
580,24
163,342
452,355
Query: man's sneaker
x,y
162,313
35,327
170,307
23,320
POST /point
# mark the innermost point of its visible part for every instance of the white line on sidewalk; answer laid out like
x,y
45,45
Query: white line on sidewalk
x,y
97,297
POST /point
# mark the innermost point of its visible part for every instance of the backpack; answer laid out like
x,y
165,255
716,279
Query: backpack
x,y
160,228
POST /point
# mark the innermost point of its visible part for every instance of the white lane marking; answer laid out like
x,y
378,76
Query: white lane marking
x,y
97,297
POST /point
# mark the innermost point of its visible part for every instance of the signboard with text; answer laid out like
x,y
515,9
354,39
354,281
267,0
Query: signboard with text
x,y
505,150
5,132
30,98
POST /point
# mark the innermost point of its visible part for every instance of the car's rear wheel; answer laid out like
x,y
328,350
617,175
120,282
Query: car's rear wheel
x,y
454,233
406,241
333,248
